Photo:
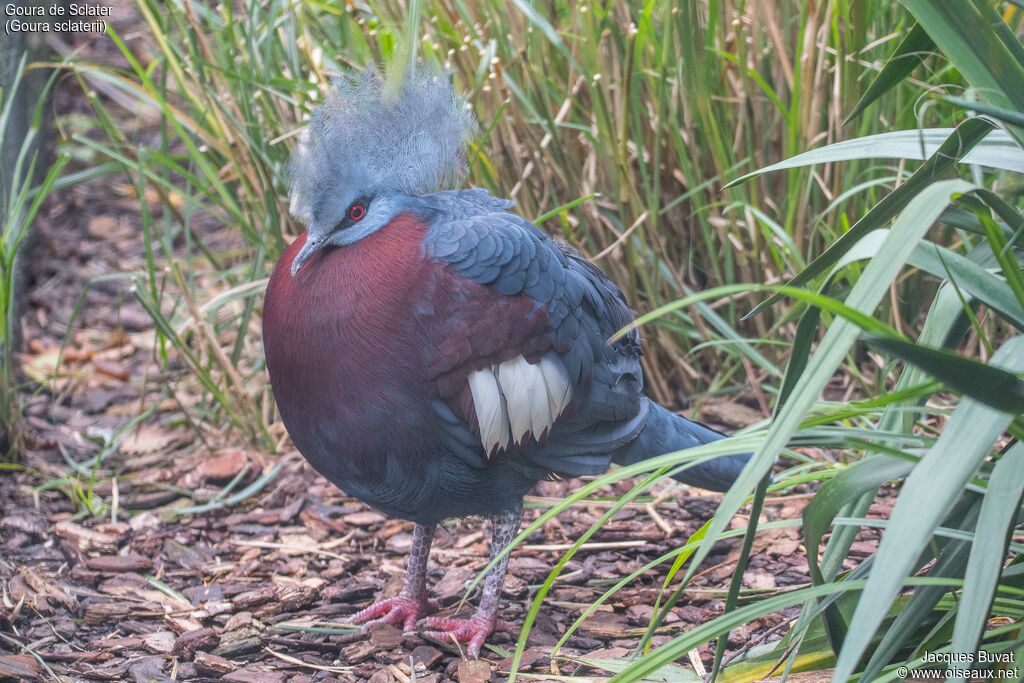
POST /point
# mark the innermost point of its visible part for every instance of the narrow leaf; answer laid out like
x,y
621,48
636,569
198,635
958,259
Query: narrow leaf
x,y
970,277
960,142
974,38
911,51
995,150
913,615
998,513
911,226
679,646
1000,114
986,384
926,496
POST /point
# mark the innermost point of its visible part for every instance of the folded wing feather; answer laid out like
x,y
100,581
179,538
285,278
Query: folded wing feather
x,y
517,400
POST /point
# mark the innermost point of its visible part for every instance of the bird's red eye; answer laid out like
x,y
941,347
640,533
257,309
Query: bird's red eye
x,y
356,212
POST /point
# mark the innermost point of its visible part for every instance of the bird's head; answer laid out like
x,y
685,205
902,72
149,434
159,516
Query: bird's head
x,y
368,148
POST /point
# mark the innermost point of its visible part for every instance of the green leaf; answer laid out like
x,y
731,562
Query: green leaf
x,y
670,673
926,496
995,150
909,53
1005,256
986,384
998,513
960,142
564,208
742,561
921,211
855,494
806,332
974,38
537,19
913,615
250,490
1005,115
943,264
698,635
825,303
846,487
970,277
681,554
1013,219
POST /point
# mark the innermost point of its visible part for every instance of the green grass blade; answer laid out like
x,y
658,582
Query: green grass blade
x,y
965,33
670,673
1015,118
943,325
911,623
678,555
678,647
841,490
250,490
825,303
972,278
986,384
911,51
944,265
964,138
1005,256
736,583
910,227
929,491
995,150
998,513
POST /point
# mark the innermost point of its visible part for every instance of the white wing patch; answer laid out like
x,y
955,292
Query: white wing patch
x,y
491,409
517,400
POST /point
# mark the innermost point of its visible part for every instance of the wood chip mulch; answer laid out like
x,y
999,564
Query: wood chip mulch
x,y
106,575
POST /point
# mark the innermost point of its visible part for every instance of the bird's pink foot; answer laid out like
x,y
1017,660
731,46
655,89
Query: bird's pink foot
x,y
473,631
401,610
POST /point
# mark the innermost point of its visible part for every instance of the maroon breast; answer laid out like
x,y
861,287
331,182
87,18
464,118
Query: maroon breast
x,y
343,349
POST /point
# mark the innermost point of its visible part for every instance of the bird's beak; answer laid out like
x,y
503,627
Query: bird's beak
x,y
308,249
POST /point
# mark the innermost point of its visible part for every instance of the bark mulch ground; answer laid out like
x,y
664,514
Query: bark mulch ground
x,y
258,589
119,562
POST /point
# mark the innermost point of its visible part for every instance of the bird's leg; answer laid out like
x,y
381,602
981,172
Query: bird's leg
x,y
475,630
411,604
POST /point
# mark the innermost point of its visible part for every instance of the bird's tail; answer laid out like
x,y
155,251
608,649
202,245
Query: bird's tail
x,y
665,432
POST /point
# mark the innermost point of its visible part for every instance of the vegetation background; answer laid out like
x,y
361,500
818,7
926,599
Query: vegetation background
x,y
860,304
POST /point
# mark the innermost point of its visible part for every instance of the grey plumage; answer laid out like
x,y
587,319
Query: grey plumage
x,y
462,354
610,419
563,398
364,138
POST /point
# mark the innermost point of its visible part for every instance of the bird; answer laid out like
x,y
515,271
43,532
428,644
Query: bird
x,y
434,354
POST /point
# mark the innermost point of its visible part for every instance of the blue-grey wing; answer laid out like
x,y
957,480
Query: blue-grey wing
x,y
519,342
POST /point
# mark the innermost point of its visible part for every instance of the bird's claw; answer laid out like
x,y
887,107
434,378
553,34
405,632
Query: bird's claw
x,y
473,631
401,610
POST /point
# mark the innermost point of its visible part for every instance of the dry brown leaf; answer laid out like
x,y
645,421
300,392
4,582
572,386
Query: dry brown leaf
x,y
149,439
367,518
223,466
43,366
759,579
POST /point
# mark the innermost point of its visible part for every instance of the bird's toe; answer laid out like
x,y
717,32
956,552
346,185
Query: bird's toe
x,y
402,611
472,632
